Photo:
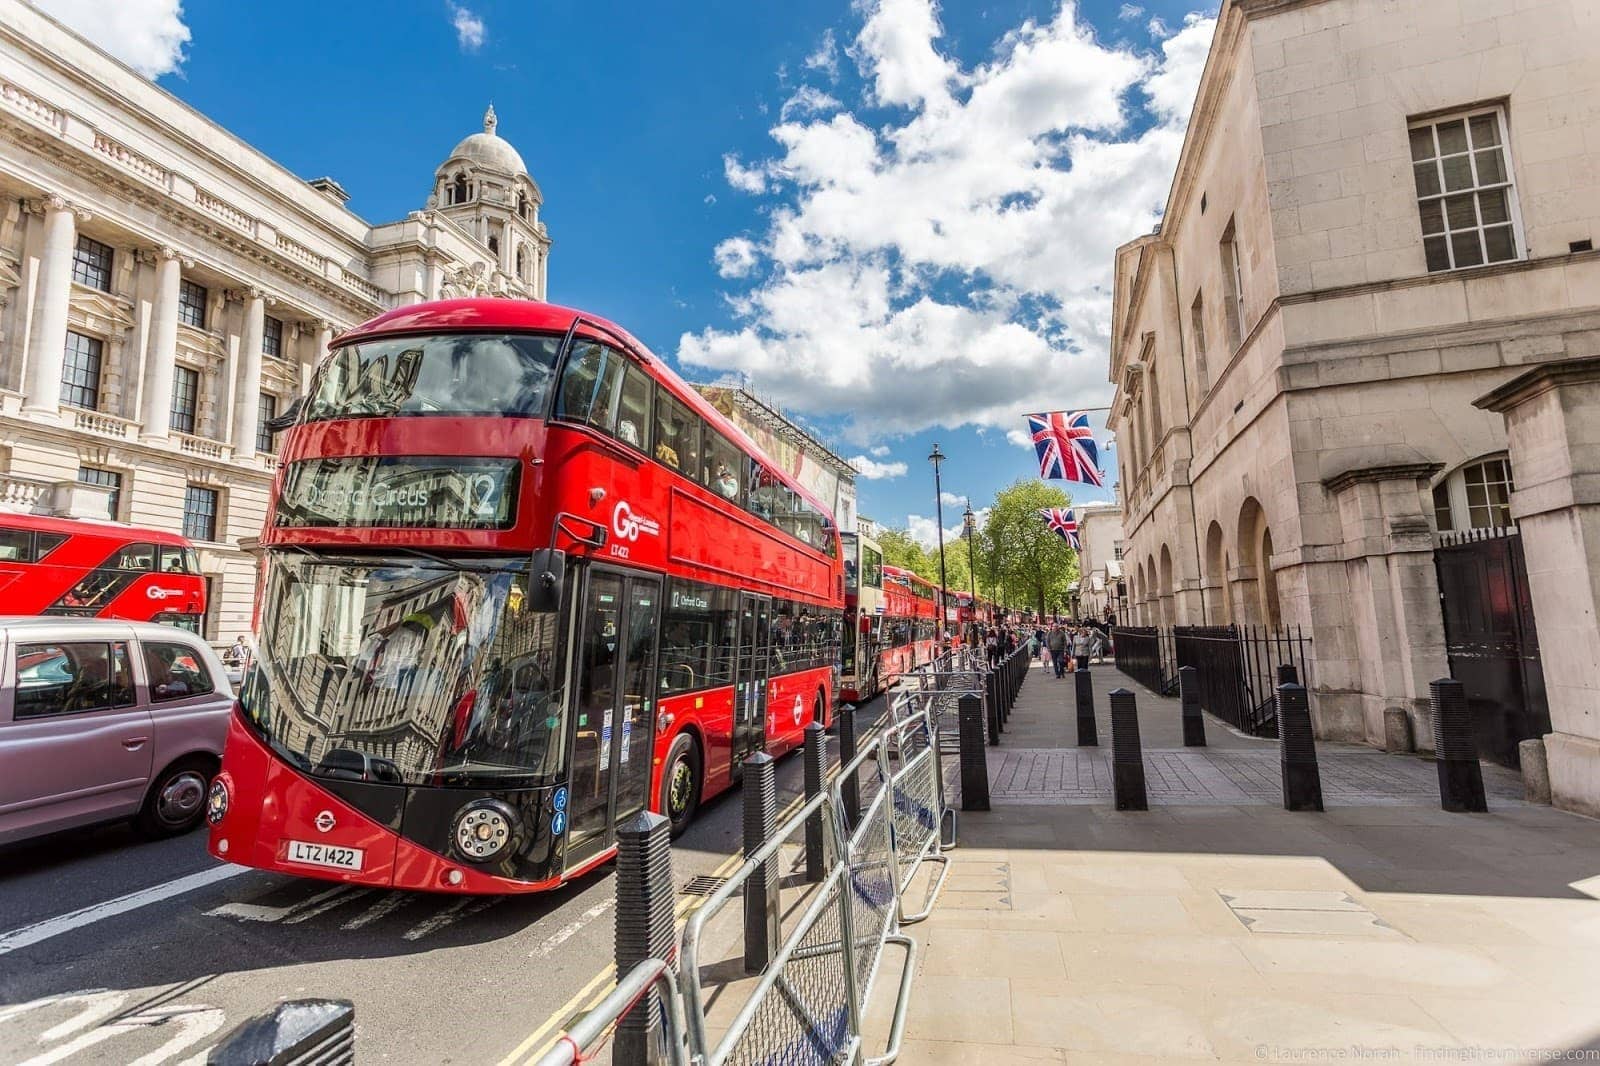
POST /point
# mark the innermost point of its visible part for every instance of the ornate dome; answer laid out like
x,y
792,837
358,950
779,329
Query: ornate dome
x,y
490,151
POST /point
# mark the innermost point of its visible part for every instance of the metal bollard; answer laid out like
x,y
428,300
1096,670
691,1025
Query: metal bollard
x,y
1127,761
850,792
1302,782
974,761
1088,735
1194,722
1455,750
815,770
299,1030
761,936
1287,674
645,927
991,711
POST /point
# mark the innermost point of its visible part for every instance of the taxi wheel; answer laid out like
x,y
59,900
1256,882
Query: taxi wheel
x,y
680,782
177,798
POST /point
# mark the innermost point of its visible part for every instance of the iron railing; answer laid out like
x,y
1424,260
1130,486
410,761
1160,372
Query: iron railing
x,y
1238,669
1147,655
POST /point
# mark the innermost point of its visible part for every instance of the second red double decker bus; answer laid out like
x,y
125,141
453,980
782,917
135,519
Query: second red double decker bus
x,y
520,583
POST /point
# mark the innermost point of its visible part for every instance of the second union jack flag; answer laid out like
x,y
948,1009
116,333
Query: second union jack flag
x,y
1066,447
1062,521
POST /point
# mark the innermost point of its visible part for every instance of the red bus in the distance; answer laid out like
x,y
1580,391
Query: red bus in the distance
x,y
907,625
520,583
82,568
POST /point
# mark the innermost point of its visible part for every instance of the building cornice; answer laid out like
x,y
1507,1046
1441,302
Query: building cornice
x,y
1385,472
1541,379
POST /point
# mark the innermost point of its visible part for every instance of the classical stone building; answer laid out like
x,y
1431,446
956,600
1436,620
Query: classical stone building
x,y
1382,212
165,289
1101,584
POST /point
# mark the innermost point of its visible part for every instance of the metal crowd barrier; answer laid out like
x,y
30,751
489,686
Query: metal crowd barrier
x,y
807,1004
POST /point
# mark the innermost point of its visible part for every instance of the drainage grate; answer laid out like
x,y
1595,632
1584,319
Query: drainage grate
x,y
703,885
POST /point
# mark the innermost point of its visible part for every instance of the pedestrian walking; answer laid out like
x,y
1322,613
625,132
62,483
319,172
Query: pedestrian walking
x,y
1080,648
1057,643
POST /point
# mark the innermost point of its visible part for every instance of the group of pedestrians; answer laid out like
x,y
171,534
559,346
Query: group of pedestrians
x,y
1069,646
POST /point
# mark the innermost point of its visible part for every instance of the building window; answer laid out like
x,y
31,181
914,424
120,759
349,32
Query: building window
x,y
1116,549
459,191
200,513
192,304
1464,190
94,475
1197,321
494,244
522,204
266,411
80,372
522,264
1475,496
272,337
185,397
91,264
1233,283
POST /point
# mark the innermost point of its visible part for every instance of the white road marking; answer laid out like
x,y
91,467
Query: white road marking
x,y
194,1025
255,912
97,1004
328,905
450,915
65,923
566,932
392,902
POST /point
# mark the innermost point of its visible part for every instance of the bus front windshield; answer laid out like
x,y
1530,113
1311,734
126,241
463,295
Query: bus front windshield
x,y
450,374
405,671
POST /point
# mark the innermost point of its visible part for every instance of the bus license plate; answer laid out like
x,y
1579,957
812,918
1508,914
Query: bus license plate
x,y
324,855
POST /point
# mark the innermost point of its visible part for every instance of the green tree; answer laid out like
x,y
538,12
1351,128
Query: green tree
x,y
1028,561
900,550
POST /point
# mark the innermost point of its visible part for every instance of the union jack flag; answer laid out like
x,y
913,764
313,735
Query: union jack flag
x,y
1066,447
1063,521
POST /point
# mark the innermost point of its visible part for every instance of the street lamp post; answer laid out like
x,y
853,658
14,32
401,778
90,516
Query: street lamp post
x,y
969,528
936,457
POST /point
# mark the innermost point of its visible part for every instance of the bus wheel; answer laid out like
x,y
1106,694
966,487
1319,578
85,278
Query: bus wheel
x,y
680,783
817,714
176,799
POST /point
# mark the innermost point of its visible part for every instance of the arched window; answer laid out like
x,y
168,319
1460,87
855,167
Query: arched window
x,y
1475,496
494,244
459,195
522,204
522,264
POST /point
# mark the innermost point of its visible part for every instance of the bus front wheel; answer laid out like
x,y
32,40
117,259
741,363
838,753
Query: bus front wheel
x,y
680,782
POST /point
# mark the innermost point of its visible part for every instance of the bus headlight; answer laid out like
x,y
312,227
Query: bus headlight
x,y
485,829
216,802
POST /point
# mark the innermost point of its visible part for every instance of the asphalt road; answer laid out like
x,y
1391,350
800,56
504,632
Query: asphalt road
x,y
120,951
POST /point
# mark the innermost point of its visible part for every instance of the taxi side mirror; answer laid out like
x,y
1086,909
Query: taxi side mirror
x,y
548,580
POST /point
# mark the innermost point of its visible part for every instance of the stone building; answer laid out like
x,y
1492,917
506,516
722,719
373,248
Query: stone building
x,y
165,289
1101,584
1382,213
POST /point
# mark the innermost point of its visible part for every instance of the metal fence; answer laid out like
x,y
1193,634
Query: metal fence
x,y
1237,670
1147,655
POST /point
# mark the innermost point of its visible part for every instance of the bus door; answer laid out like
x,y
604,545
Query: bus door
x,y
750,679
615,708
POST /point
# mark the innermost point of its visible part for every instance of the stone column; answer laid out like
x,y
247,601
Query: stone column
x,y
161,355
324,335
47,339
1552,415
247,386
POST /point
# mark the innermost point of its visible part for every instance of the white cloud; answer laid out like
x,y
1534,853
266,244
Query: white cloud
x,y
710,199
940,252
950,499
880,451
1020,438
925,530
148,35
807,100
735,257
470,31
826,58
876,471
1130,12
1158,27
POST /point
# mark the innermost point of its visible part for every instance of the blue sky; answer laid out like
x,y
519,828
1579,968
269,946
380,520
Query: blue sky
x,y
894,218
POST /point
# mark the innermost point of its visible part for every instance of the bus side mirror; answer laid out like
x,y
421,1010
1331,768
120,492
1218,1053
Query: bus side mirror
x,y
288,418
549,578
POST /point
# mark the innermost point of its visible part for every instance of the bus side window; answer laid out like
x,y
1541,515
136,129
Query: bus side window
x,y
16,546
726,465
670,422
603,413
171,559
633,410
580,380
140,557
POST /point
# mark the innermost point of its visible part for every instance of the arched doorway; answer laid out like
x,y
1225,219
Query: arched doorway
x,y
1218,602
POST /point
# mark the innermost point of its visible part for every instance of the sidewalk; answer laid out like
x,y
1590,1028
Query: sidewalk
x,y
1229,930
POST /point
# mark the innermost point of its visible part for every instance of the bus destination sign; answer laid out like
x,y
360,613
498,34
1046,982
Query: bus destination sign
x,y
446,492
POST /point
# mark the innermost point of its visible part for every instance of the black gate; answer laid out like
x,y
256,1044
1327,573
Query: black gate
x,y
1490,637
1237,670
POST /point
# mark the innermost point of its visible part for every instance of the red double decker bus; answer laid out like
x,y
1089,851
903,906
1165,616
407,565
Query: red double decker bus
x,y
520,583
908,623
80,568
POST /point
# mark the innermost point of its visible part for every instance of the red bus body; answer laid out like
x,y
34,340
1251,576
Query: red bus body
x,y
714,620
80,568
908,619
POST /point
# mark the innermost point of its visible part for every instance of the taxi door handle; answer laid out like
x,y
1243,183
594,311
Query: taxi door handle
x,y
134,743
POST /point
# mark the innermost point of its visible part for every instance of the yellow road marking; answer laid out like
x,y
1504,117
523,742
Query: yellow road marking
x,y
570,1010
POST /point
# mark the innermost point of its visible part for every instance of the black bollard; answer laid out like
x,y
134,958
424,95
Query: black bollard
x,y
295,1031
1455,750
1287,674
761,937
1297,751
1194,722
1088,735
815,770
991,711
1127,761
974,761
645,927
844,722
